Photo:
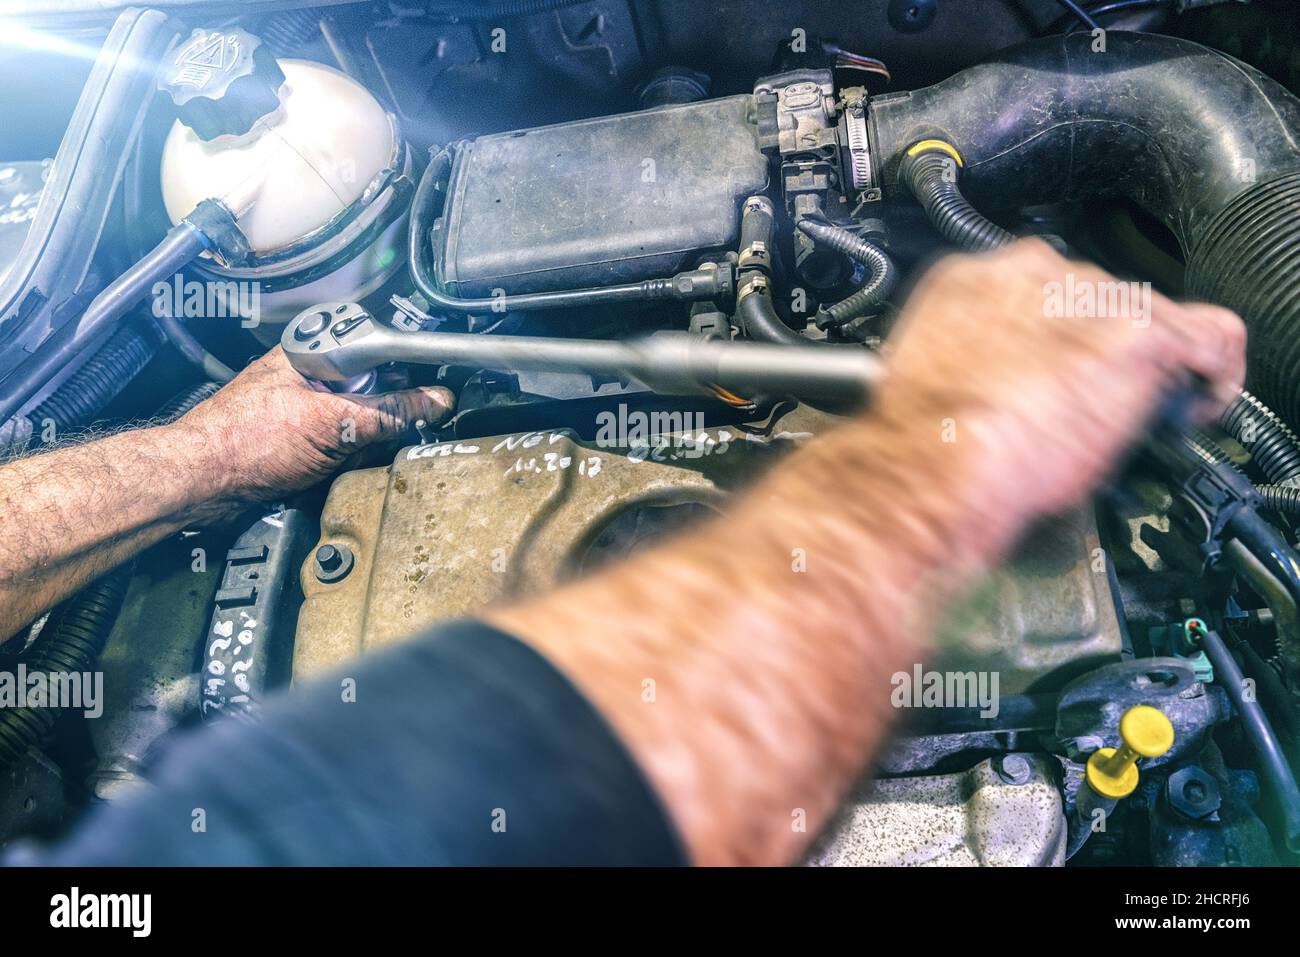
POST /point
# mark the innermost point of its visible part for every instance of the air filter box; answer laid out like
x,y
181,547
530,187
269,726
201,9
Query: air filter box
x,y
600,201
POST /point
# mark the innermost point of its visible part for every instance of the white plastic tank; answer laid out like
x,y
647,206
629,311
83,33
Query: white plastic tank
x,y
289,151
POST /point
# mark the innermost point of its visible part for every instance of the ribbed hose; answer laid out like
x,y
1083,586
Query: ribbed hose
x,y
123,357
882,274
1280,498
182,403
1208,448
1248,259
1271,443
69,643
931,175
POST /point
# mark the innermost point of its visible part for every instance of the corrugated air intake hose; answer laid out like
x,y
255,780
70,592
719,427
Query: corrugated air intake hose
x,y
1208,145
1248,257
1272,445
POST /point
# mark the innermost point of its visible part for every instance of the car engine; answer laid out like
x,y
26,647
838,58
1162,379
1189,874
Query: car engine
x,y
652,246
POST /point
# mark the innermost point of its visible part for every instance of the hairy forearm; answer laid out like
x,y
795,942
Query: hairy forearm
x,y
750,691
75,513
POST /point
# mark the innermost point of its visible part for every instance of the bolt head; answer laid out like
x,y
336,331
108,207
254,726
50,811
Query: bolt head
x,y
1192,793
333,563
1014,769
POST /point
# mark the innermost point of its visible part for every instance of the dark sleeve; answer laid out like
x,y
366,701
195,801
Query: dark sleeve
x,y
463,746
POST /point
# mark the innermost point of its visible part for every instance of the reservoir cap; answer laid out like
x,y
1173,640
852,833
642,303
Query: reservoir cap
x,y
222,81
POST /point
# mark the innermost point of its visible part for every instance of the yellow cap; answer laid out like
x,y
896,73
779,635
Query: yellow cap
x,y
1146,733
1146,730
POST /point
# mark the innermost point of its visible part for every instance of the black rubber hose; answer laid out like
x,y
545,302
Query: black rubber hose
x,y
1080,14
425,206
210,224
1069,21
1270,441
1200,140
1274,692
757,233
70,642
1263,739
192,350
758,319
1266,543
882,275
931,175
74,403
756,314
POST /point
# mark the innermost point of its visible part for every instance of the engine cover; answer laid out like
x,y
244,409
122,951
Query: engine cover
x,y
450,528
453,527
601,201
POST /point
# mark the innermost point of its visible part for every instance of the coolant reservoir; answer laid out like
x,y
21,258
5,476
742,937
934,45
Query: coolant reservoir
x,y
302,154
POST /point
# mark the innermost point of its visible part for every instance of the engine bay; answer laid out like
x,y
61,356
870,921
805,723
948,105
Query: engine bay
x,y
651,247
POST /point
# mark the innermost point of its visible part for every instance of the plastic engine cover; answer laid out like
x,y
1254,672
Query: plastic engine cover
x,y
600,201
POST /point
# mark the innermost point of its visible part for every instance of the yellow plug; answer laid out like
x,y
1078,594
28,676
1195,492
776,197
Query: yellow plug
x,y
1146,733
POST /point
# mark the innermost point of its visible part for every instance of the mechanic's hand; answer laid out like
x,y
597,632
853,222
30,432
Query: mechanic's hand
x,y
984,360
279,433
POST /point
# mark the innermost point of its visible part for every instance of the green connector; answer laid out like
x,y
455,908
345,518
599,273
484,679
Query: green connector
x,y
1175,639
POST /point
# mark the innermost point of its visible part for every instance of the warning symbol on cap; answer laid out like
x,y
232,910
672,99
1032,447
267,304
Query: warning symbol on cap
x,y
204,57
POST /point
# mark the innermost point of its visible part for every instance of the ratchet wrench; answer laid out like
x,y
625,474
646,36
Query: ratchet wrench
x,y
340,344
